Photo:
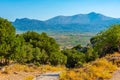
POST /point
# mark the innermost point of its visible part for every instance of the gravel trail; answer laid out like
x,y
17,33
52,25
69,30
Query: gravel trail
x,y
49,76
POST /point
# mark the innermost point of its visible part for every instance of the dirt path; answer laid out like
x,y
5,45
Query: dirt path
x,y
116,75
49,76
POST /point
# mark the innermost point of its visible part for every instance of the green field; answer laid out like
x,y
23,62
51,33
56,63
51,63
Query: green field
x,y
70,39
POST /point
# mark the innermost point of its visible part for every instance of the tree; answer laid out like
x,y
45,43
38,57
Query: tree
x,y
7,36
45,48
107,41
40,57
42,41
17,49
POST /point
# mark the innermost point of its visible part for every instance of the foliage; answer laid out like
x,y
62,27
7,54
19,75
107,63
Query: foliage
x,y
7,36
79,55
41,41
107,41
40,46
58,58
73,57
40,57
90,54
29,47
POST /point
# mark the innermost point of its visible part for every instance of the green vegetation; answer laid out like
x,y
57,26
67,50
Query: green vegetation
x,y
79,55
71,39
74,57
107,41
29,47
7,40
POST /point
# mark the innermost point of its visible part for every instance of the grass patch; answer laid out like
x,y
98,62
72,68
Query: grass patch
x,y
48,68
29,78
99,69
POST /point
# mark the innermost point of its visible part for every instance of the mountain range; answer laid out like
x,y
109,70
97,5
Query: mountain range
x,y
91,22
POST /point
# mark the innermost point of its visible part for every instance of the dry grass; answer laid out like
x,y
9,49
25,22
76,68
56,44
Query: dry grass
x,y
24,72
99,69
29,78
48,68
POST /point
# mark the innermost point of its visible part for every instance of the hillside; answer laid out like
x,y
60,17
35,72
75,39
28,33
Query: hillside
x,y
91,22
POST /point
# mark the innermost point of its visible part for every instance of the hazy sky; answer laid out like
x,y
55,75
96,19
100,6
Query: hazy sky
x,y
45,9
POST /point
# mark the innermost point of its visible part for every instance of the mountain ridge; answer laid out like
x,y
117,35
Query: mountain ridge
x,y
91,22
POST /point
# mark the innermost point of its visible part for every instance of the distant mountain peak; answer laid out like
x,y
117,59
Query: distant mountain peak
x,y
91,13
22,19
95,14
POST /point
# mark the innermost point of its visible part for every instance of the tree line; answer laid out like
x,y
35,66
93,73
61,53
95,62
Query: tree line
x,y
32,47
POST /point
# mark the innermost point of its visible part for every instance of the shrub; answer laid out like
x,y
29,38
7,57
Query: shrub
x,y
58,59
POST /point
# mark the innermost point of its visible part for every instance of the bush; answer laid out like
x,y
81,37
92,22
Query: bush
x,y
73,57
58,59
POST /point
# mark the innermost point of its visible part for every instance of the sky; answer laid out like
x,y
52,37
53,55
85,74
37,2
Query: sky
x,y
45,9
